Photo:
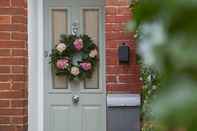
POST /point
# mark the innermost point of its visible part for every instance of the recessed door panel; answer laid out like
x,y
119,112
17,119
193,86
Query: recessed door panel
x,y
93,112
92,118
60,118
59,26
91,27
59,23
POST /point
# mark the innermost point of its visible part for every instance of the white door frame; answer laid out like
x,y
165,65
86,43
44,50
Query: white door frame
x,y
36,65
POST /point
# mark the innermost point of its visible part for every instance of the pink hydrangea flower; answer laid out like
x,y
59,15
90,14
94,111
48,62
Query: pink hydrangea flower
x,y
86,66
62,64
78,43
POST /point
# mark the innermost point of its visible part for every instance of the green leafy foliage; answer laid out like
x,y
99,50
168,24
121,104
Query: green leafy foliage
x,y
151,86
167,42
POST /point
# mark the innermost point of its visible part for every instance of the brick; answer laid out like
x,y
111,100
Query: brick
x,y
11,112
114,36
4,103
111,78
19,36
19,69
19,19
124,70
117,3
117,19
15,77
111,61
18,77
125,78
7,128
124,11
19,103
12,11
4,36
19,85
4,69
21,128
4,3
12,61
12,95
112,69
123,19
19,52
120,87
5,52
117,36
110,10
13,27
112,53
5,78
136,89
113,27
4,120
5,19
5,86
18,3
112,44
19,120
26,13
12,44
110,19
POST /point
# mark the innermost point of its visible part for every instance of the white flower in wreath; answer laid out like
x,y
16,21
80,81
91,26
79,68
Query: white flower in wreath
x,y
61,47
93,53
75,71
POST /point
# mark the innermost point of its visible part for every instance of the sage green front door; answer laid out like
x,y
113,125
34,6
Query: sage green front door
x,y
74,105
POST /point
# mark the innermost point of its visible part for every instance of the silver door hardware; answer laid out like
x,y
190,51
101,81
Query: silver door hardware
x,y
75,28
75,99
46,53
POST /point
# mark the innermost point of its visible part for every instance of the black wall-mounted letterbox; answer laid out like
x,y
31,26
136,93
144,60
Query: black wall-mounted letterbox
x,y
124,54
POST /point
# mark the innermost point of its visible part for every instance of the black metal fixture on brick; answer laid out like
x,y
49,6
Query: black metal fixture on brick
x,y
124,53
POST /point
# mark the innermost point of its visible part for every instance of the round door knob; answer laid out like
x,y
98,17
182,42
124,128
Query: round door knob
x,y
75,99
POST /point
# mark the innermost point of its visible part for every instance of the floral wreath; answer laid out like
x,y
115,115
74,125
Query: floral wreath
x,y
70,47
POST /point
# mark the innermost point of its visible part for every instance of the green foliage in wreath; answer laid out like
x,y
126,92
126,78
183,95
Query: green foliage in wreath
x,y
75,57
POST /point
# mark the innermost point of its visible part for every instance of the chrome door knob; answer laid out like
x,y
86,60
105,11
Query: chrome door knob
x,y
75,99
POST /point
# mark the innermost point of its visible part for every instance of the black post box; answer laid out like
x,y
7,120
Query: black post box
x,y
124,53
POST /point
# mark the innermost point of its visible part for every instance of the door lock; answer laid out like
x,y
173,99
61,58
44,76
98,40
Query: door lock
x,y
75,99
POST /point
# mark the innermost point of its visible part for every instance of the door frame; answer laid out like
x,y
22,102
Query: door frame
x,y
36,65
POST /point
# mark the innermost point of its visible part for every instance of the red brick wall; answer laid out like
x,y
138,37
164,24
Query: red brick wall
x,y
120,77
13,65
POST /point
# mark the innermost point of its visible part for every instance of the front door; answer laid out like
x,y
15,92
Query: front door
x,y
74,105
